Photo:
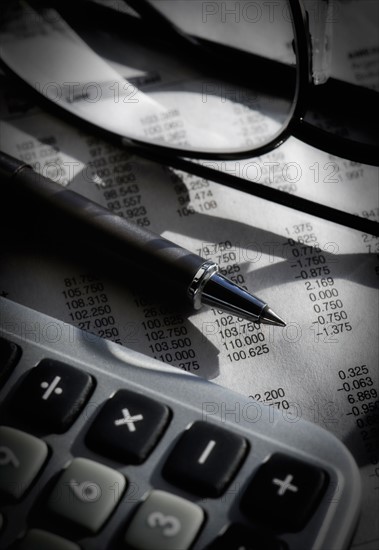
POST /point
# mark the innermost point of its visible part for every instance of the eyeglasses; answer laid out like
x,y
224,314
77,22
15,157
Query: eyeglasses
x,y
175,81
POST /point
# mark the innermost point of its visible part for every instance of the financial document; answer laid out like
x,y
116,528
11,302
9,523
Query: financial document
x,y
322,278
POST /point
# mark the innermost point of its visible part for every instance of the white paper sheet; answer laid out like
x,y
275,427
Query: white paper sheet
x,y
320,277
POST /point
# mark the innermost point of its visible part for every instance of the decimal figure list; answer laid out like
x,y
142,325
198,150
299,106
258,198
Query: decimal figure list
x,y
88,306
314,267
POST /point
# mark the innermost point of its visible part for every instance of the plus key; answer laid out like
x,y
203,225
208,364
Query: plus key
x,y
284,492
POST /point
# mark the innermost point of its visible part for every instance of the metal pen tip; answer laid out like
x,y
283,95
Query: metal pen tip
x,y
270,318
224,294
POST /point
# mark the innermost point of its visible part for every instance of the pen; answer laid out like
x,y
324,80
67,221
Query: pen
x,y
195,278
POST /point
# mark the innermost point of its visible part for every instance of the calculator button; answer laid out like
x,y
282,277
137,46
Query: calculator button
x,y
284,492
51,396
10,354
87,493
36,539
205,459
164,521
239,537
21,458
128,427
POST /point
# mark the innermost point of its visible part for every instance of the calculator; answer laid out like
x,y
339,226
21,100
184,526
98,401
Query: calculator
x,y
104,448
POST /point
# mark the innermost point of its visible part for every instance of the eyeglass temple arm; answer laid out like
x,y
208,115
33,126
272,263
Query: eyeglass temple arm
x,y
259,190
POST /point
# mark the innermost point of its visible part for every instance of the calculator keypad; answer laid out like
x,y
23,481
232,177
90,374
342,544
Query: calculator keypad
x,y
200,459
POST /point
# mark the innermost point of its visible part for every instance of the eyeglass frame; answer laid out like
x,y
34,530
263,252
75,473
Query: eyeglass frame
x,y
296,127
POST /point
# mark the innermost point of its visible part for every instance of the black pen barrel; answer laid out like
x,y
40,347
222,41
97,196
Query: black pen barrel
x,y
160,258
